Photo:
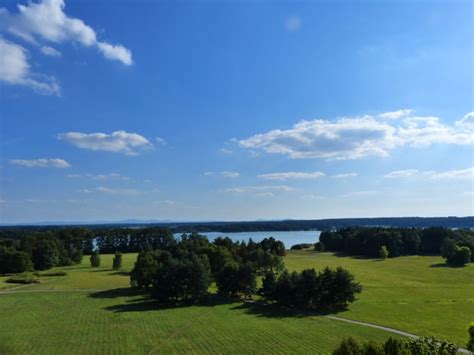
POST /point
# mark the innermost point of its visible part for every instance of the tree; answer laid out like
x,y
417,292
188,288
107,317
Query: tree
x,y
13,261
95,258
470,343
319,246
117,262
268,285
454,254
145,268
462,256
383,252
348,346
235,279
45,254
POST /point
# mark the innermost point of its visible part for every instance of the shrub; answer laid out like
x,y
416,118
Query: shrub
x,y
470,344
95,258
50,274
383,252
22,279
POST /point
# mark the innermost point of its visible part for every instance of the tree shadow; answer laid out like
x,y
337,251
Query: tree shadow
x,y
140,300
121,273
102,270
444,265
271,310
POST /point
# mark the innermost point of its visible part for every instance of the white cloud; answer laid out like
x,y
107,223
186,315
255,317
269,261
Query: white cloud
x,y
15,69
41,163
265,194
99,176
360,193
467,122
230,174
401,174
343,176
292,175
259,188
395,115
117,142
225,174
52,52
359,137
462,174
47,21
160,141
293,23
112,191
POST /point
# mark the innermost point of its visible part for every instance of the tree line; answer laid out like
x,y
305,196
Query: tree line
x,y
457,246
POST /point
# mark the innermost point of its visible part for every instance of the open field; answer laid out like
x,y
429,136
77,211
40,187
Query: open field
x,y
407,293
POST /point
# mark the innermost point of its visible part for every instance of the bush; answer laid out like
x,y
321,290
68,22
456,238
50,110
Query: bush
x,y
22,279
117,262
95,258
454,254
383,252
50,274
470,344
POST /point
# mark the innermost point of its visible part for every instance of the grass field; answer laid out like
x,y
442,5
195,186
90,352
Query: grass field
x,y
103,316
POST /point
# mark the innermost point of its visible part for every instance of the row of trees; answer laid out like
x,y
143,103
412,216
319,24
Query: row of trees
x,y
398,241
183,274
39,251
419,346
309,289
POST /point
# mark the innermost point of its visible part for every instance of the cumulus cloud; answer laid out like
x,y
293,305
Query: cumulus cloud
x,y
461,174
117,142
359,137
467,122
41,163
15,69
292,175
47,21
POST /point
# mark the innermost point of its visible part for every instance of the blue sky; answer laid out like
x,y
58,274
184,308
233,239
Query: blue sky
x,y
242,110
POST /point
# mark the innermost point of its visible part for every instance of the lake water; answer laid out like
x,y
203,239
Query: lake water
x,y
289,238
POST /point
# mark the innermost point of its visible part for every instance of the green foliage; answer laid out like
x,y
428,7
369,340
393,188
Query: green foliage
x,y
236,279
46,253
13,261
145,268
470,343
50,273
23,279
455,255
95,258
327,290
419,346
117,262
383,252
319,246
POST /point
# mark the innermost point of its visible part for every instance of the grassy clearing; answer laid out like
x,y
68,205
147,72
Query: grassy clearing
x,y
408,293
418,294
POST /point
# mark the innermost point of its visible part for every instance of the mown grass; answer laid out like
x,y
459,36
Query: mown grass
x,y
103,315
418,294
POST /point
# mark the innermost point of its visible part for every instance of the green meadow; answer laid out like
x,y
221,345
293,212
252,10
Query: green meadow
x,y
93,310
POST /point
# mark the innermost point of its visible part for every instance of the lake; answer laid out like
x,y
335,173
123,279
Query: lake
x,y
289,238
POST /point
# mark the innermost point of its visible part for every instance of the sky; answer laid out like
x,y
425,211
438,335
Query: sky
x,y
235,110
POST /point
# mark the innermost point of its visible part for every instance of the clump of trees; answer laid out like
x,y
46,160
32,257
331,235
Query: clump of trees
x,y
41,250
454,254
423,345
399,241
181,271
326,290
